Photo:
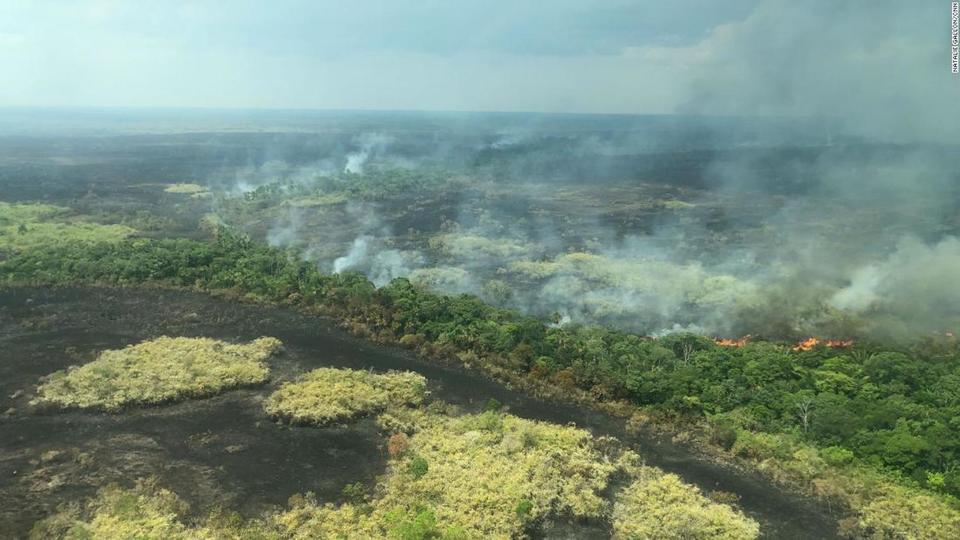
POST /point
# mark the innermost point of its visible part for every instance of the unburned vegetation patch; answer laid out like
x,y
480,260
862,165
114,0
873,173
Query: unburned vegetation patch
x,y
156,371
26,226
488,475
328,395
662,506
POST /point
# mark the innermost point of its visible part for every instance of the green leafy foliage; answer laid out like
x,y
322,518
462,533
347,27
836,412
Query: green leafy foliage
x,y
418,467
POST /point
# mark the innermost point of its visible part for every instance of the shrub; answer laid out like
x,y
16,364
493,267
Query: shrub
x,y
412,341
418,467
760,446
904,513
524,507
397,445
458,483
836,455
354,493
34,226
328,395
724,497
146,511
476,481
492,405
417,525
490,421
661,506
723,434
160,370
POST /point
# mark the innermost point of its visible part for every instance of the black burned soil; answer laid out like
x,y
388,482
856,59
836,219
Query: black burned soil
x,y
224,450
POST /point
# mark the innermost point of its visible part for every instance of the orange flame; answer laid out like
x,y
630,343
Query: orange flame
x,y
812,342
807,344
732,342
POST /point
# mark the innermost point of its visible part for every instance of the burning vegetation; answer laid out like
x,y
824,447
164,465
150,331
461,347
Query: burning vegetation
x,y
723,342
812,342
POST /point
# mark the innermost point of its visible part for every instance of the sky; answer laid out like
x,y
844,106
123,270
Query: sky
x,y
602,56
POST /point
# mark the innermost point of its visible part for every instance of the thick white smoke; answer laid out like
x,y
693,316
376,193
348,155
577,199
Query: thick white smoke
x,y
355,162
358,253
918,282
370,145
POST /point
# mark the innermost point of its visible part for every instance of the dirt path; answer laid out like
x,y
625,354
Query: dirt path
x,y
224,449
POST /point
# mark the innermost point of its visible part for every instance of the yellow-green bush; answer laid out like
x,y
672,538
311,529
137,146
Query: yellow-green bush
x,y
145,512
159,370
904,513
458,245
317,200
882,508
659,506
486,476
479,470
328,395
16,213
475,476
184,188
27,226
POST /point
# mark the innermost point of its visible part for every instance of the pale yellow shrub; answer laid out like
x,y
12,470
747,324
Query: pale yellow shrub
x,y
328,395
119,514
659,506
479,476
480,468
459,246
159,370
184,188
144,512
903,513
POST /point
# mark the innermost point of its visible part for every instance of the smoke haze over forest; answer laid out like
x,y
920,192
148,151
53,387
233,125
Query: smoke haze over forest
x,y
808,144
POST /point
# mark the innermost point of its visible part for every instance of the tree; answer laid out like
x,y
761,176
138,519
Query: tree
x,y
803,402
835,420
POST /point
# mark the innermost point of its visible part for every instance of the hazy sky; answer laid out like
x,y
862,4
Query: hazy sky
x,y
640,56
